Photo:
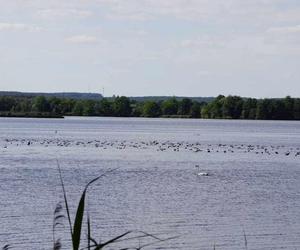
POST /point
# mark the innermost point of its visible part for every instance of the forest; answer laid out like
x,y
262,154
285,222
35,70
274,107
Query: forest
x,y
221,107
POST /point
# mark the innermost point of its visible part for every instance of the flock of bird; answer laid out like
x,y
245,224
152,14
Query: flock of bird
x,y
162,146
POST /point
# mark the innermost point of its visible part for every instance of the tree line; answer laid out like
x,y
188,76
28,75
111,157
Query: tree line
x,y
230,107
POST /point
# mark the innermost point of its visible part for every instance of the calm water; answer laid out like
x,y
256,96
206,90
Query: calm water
x,y
253,183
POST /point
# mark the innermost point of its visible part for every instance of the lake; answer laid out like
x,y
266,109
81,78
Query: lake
x,y
252,187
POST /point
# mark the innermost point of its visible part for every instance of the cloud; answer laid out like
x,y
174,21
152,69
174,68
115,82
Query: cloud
x,y
130,16
285,30
62,13
18,27
285,36
137,10
289,15
203,41
81,39
196,10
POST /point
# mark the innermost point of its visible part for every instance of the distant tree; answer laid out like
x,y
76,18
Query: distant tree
x,y
40,104
185,106
106,108
296,110
151,109
67,105
136,108
89,108
214,109
249,109
195,110
55,105
232,107
6,103
278,110
264,109
205,112
78,108
122,106
23,105
289,107
170,107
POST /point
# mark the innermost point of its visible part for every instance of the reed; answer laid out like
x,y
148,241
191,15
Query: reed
x,y
57,221
75,228
245,240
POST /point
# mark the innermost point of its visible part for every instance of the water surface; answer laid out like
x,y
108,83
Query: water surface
x,y
253,183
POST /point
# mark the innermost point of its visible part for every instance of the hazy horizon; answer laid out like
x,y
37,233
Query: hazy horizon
x,y
187,48
194,96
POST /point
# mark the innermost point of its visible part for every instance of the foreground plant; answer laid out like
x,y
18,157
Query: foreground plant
x,y
76,228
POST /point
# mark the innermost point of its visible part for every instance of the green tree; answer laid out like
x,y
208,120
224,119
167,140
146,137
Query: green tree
x,y
88,108
264,109
55,105
78,108
289,106
196,110
296,110
151,109
40,104
170,107
6,103
137,109
249,109
185,106
214,109
278,111
105,108
205,112
121,106
232,107
67,105
23,105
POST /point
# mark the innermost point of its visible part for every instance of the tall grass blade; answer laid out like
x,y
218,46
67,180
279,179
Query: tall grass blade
x,y
245,240
78,222
100,246
65,198
145,235
89,231
150,235
156,242
76,235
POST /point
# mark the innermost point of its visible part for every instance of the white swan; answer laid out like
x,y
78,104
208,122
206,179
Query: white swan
x,y
201,173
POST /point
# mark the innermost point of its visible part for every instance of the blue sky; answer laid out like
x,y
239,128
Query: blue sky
x,y
151,47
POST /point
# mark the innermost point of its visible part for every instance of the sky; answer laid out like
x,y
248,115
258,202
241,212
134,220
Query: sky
x,y
249,48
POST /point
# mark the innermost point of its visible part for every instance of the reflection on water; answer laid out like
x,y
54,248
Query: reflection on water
x,y
253,183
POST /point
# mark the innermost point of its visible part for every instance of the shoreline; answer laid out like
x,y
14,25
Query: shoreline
x,y
57,116
30,115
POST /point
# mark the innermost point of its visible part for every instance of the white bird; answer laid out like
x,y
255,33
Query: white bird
x,y
201,173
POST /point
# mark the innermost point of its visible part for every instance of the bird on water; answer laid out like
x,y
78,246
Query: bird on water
x,y
201,173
